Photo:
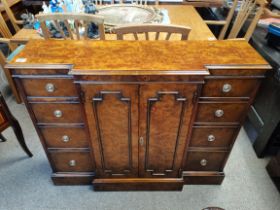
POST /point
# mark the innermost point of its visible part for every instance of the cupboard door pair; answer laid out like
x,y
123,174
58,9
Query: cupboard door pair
x,y
139,130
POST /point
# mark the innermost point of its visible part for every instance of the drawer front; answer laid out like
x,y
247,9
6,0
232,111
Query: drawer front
x,y
230,88
72,161
205,161
57,113
221,112
62,137
212,136
49,87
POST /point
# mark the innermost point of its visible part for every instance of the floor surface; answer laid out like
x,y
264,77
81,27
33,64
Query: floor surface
x,y
25,182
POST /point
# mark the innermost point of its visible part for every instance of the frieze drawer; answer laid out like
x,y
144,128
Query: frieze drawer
x,y
49,87
71,161
205,161
218,112
65,137
229,87
206,136
57,112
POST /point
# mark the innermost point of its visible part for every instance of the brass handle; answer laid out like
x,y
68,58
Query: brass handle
x,y
141,141
72,163
203,162
57,113
211,138
219,113
50,88
226,88
65,138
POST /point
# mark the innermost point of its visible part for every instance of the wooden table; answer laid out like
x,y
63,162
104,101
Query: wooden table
x,y
179,14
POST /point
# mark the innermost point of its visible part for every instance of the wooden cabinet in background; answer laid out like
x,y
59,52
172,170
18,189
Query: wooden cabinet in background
x,y
140,121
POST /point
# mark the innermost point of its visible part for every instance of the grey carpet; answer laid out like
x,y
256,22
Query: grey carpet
x,y
25,182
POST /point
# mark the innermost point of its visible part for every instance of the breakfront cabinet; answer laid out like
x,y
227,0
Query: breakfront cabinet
x,y
131,115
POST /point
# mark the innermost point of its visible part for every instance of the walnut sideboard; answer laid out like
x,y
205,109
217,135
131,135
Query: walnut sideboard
x,y
137,115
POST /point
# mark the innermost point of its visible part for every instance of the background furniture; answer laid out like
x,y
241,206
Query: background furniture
x,y
178,14
263,121
131,125
84,20
6,120
245,11
273,169
152,31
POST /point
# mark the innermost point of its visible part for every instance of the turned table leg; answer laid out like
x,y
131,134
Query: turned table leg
x,y
18,132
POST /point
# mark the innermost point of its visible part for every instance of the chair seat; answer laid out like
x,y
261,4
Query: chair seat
x,y
24,35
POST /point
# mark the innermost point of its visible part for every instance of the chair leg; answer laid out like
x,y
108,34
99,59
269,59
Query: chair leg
x,y
2,138
18,132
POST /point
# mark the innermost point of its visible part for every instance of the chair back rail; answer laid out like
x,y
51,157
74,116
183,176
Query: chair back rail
x,y
78,20
152,28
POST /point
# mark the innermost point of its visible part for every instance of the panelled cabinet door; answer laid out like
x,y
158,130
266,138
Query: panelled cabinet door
x,y
112,114
165,115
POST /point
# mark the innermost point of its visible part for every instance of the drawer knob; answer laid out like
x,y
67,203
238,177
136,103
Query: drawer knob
x,y
65,138
219,113
226,88
57,113
50,87
72,163
203,162
211,138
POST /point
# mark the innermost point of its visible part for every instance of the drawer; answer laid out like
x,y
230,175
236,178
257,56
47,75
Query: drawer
x,y
57,112
213,136
65,137
221,112
49,87
71,161
205,161
229,87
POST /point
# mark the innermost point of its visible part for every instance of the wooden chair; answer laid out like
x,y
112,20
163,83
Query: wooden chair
x,y
78,19
152,28
11,16
3,60
6,120
246,9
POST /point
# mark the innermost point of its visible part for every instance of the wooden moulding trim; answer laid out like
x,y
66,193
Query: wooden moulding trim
x,y
59,124
63,126
236,77
42,76
138,180
234,66
209,149
222,102
58,99
39,66
137,72
73,174
53,102
203,173
216,126
65,150
217,123
136,82
232,99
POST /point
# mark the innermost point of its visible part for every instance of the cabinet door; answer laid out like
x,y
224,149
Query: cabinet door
x,y
112,115
165,115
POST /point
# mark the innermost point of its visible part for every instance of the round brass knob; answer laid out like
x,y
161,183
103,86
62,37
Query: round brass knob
x,y
219,113
72,163
203,162
50,88
211,138
65,138
227,88
57,113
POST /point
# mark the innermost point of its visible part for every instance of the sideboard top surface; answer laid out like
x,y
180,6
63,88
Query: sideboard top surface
x,y
137,57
